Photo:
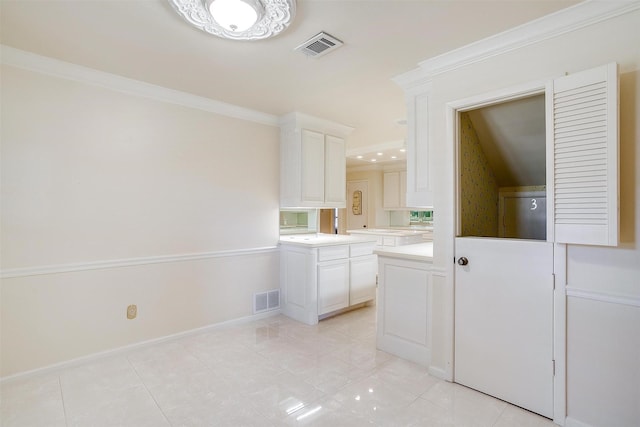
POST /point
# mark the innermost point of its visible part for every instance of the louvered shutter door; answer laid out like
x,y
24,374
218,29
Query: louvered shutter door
x,y
583,167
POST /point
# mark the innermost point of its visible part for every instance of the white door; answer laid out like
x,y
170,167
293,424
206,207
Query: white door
x,y
357,200
504,320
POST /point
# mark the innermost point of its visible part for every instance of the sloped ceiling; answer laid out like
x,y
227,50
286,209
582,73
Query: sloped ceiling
x,y
512,135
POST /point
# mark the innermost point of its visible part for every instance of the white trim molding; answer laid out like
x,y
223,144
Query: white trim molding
x,y
572,422
440,272
564,21
66,70
136,346
129,262
438,373
613,298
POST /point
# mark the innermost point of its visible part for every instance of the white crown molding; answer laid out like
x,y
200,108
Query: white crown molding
x,y
66,70
118,263
136,346
633,301
299,120
564,21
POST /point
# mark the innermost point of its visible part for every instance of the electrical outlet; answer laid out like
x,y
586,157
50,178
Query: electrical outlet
x,y
132,311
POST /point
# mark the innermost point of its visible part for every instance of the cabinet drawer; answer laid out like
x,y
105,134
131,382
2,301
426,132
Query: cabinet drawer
x,y
362,249
389,241
328,253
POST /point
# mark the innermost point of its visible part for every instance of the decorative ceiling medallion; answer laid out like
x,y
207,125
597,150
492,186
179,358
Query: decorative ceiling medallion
x,y
277,16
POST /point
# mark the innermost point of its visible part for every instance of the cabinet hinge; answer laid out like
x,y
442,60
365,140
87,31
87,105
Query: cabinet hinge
x,y
554,367
553,279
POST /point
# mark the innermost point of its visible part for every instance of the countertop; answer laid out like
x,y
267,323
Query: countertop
x,y
389,231
319,239
415,252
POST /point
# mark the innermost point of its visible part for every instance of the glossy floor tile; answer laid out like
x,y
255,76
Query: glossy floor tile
x,y
272,372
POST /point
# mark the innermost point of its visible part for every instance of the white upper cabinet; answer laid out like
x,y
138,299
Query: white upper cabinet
x,y
395,190
312,166
335,176
312,162
582,157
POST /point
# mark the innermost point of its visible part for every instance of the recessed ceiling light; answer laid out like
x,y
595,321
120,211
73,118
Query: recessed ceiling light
x,y
394,157
379,154
374,160
358,157
402,150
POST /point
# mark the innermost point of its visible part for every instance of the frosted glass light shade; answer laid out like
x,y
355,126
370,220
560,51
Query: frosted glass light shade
x,y
257,19
233,15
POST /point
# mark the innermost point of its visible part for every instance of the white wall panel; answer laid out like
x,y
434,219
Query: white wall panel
x,y
603,372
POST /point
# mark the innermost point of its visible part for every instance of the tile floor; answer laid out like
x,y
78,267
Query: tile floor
x,y
272,372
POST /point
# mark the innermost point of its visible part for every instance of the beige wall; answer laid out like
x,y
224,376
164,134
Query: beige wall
x,y
478,185
378,217
601,273
91,175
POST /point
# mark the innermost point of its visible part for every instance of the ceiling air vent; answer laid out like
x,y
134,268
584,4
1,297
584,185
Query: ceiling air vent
x,y
319,45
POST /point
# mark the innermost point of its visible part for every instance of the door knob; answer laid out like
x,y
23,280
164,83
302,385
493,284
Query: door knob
x,y
463,261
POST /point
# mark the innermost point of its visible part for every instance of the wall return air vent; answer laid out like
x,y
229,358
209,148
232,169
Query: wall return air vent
x,y
266,301
319,45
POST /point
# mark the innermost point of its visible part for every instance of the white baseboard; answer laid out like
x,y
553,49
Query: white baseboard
x,y
437,372
136,346
572,422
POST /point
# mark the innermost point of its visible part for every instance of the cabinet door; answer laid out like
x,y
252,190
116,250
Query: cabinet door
x,y
419,187
403,189
362,273
312,167
335,179
333,286
391,183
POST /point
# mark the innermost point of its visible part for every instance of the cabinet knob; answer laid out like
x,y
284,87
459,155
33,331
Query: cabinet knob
x,y
463,261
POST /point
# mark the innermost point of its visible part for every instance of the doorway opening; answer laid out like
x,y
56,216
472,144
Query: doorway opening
x,y
503,333
502,170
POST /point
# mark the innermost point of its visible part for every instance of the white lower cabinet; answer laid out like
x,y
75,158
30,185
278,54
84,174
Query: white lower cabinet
x,y
333,286
403,307
319,281
362,276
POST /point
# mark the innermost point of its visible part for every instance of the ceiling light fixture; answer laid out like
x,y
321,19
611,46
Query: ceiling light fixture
x,y
238,19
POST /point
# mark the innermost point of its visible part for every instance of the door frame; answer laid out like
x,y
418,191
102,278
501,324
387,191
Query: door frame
x,y
559,263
